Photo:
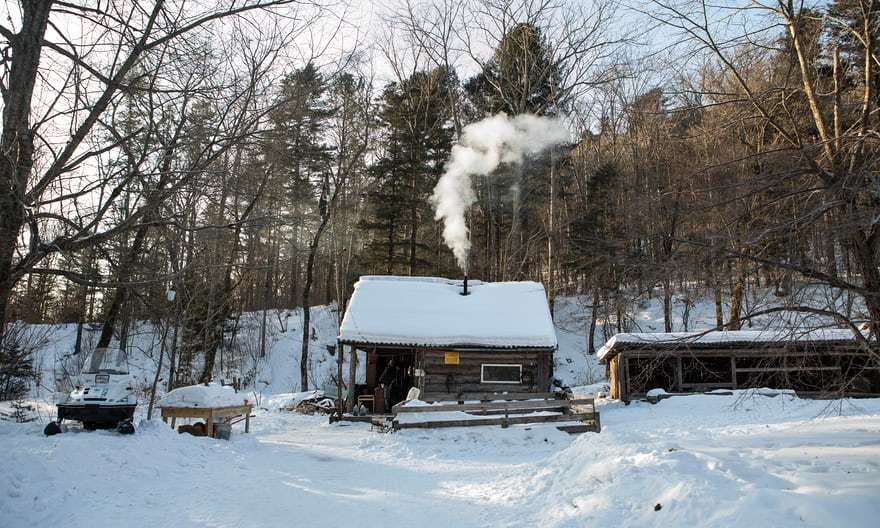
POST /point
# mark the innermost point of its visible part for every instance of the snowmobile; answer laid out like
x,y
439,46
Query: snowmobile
x,y
104,398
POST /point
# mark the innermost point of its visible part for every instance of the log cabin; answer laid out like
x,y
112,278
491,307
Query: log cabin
x,y
815,363
451,339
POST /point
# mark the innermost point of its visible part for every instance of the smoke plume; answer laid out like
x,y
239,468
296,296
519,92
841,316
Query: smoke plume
x,y
482,147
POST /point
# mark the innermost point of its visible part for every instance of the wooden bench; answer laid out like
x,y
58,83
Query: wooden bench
x,y
209,414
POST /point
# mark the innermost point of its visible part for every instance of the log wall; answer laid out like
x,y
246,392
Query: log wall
x,y
441,378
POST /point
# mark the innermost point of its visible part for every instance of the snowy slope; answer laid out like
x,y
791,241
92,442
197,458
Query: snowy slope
x,y
278,371
708,461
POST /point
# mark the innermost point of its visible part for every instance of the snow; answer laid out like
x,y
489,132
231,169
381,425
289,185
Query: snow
x,y
726,337
761,457
290,400
428,311
211,395
709,461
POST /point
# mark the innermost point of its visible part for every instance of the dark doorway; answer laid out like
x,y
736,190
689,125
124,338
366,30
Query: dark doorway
x,y
399,376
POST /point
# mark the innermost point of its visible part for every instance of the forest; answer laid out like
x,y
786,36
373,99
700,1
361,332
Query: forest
x,y
187,162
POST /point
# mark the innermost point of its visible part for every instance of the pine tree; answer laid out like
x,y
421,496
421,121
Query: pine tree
x,y
521,77
513,204
296,150
417,135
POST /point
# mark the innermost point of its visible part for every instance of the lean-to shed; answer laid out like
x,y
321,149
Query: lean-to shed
x,y
497,338
813,363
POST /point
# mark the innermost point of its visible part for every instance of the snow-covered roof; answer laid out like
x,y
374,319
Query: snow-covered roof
x,y
428,311
627,341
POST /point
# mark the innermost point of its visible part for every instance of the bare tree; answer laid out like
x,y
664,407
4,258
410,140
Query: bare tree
x,y
51,143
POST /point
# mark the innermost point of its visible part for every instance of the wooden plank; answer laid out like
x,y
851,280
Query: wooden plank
x,y
577,429
707,386
784,369
199,412
502,421
365,419
718,352
493,406
485,396
473,356
717,392
582,408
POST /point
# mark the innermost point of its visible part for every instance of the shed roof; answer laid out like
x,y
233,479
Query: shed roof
x,y
430,312
720,339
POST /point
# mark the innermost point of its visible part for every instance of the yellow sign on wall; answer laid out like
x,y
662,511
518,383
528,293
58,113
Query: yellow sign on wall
x,y
450,358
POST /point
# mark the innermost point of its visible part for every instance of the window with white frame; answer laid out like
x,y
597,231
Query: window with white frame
x,y
499,373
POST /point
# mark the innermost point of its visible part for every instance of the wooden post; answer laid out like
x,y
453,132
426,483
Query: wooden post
x,y
679,374
733,371
209,426
340,350
352,376
247,419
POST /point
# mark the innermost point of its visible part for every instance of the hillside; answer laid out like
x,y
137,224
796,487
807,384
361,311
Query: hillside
x,y
278,371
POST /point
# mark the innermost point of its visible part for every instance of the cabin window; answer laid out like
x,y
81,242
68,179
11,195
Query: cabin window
x,y
491,373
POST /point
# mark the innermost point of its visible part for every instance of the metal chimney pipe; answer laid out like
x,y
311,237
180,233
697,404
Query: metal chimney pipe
x,y
464,290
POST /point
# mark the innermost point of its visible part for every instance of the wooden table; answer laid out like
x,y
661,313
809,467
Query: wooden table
x,y
209,414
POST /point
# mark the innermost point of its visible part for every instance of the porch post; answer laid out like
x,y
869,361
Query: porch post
x,y
340,350
352,376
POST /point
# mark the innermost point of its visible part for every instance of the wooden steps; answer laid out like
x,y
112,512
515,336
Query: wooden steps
x,y
505,414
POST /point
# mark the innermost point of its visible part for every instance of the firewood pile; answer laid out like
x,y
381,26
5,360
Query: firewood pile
x,y
314,404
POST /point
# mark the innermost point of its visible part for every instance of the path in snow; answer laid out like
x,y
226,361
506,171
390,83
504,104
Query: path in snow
x,y
708,460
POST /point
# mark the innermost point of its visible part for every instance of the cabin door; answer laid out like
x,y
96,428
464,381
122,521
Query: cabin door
x,y
397,372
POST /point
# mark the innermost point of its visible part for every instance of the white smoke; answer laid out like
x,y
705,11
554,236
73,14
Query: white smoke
x,y
482,147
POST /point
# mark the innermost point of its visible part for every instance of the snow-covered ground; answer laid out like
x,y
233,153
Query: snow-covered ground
x,y
706,460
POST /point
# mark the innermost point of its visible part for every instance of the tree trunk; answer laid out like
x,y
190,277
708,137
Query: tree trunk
x,y
266,298
121,293
667,305
17,139
158,373
719,308
865,253
736,296
306,306
591,345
